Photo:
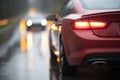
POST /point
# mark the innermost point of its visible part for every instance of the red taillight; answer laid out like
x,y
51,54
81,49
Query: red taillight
x,y
98,25
83,25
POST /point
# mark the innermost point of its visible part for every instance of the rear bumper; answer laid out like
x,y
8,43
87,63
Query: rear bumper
x,y
111,56
112,59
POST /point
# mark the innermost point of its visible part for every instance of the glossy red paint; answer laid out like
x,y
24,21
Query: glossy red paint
x,y
87,32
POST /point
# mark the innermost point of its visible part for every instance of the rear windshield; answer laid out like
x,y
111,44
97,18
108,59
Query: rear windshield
x,y
101,4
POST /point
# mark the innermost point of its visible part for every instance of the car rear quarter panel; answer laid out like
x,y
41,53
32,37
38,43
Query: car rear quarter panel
x,y
79,44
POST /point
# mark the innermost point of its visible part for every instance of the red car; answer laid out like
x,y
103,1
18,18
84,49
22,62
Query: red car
x,y
86,32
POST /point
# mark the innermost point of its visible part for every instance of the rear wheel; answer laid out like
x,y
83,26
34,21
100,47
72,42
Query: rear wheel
x,y
65,70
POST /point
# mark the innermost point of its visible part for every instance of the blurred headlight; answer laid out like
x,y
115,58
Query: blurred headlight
x,y
29,23
44,22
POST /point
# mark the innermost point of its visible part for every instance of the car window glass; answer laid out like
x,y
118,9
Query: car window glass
x,y
66,9
101,4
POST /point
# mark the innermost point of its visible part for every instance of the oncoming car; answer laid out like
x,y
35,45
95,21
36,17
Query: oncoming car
x,y
85,33
35,24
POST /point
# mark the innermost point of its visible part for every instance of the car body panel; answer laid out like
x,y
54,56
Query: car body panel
x,y
79,44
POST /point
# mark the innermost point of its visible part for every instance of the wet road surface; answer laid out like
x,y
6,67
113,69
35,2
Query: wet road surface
x,y
26,55
32,64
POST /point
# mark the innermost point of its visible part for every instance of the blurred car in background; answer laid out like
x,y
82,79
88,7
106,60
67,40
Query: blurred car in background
x,y
85,33
34,24
35,21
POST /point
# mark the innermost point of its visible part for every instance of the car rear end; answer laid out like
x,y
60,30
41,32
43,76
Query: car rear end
x,y
93,38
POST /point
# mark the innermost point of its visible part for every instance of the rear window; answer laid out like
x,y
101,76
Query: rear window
x,y
101,4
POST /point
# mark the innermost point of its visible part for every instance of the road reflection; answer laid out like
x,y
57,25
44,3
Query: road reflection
x,y
45,46
29,41
23,33
28,59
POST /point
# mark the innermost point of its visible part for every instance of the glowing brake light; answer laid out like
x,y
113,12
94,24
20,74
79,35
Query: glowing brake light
x,y
98,25
83,25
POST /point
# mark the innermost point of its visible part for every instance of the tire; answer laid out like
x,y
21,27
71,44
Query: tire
x,y
65,70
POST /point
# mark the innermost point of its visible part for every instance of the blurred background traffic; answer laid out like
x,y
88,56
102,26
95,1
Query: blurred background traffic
x,y
24,50
22,12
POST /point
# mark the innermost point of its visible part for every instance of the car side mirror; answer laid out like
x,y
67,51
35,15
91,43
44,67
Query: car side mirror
x,y
51,18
